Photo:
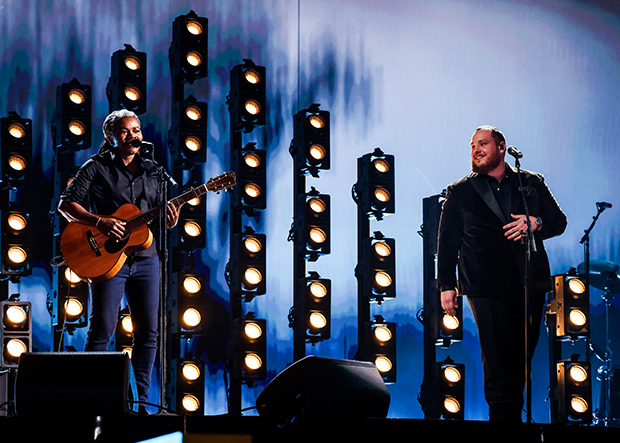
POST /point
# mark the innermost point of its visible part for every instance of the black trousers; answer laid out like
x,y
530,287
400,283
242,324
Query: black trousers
x,y
501,329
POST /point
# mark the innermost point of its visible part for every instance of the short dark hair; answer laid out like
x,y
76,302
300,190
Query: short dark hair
x,y
497,135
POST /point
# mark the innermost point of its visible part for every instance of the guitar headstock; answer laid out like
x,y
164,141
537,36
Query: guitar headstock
x,y
222,182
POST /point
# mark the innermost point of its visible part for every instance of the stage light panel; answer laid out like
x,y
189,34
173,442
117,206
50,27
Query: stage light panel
x,y
317,293
311,141
70,306
383,348
450,388
250,167
16,147
187,387
15,331
250,356
571,304
249,263
123,338
73,116
126,87
15,242
574,391
191,226
188,134
188,309
247,101
314,209
188,53
379,267
376,186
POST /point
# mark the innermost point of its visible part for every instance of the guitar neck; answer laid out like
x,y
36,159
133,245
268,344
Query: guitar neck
x,y
157,212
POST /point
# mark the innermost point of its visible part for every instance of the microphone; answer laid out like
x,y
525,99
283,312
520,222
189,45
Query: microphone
x,y
514,152
603,205
146,148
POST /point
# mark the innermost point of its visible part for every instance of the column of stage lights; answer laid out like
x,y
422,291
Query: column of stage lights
x,y
376,266
310,315
15,246
568,321
71,132
442,392
187,298
246,270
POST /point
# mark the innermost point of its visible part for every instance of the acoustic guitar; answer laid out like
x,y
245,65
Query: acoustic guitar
x,y
94,257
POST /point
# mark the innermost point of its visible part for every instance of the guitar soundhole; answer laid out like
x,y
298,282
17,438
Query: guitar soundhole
x,y
112,246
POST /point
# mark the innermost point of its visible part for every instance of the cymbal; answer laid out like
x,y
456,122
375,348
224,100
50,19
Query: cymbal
x,y
604,275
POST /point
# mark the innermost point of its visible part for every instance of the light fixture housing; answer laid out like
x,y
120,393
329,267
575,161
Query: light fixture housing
x,y
379,267
126,87
574,391
249,263
248,98
376,186
187,387
317,305
15,331
15,242
188,135
250,356
72,122
382,348
311,141
16,148
188,52
250,167
571,305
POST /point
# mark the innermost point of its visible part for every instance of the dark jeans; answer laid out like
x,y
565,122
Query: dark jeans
x,y
501,331
139,280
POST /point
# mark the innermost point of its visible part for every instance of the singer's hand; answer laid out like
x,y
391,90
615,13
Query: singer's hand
x,y
517,229
449,301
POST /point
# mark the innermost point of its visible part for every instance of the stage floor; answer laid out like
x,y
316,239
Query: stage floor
x,y
175,429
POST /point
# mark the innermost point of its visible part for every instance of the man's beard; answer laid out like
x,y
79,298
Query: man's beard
x,y
493,163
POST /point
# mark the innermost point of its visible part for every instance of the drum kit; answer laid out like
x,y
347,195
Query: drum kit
x,y
605,276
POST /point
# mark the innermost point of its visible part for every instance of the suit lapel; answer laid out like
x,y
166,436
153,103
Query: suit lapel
x,y
481,185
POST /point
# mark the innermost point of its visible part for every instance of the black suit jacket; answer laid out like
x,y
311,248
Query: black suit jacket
x,y
471,237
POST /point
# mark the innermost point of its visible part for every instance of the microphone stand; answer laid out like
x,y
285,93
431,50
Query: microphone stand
x,y
530,247
585,240
163,241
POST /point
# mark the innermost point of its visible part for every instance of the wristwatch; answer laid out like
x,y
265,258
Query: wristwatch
x,y
539,223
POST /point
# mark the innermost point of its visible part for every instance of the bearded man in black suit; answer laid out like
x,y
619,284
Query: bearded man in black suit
x,y
483,232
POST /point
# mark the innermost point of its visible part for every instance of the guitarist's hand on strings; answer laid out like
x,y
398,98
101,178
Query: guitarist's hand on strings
x,y
112,227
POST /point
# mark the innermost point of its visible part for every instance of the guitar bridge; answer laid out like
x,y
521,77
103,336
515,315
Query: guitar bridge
x,y
92,242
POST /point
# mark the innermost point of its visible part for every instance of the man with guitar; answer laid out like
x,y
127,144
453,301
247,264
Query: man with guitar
x,y
119,174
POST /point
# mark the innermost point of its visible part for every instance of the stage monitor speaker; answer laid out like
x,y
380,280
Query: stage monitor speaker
x,y
323,387
77,383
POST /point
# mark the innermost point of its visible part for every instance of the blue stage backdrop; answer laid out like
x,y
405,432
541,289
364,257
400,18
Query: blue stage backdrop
x,y
412,77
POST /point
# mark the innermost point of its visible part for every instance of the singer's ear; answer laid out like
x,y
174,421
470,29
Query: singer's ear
x,y
502,146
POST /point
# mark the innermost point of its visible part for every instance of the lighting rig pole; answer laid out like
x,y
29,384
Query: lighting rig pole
x,y
188,61
310,231
440,329
247,108
375,272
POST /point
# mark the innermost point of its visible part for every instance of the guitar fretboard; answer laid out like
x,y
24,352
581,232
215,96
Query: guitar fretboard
x,y
157,212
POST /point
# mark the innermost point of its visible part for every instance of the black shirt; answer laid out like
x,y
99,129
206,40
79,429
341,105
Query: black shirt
x,y
103,184
501,190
